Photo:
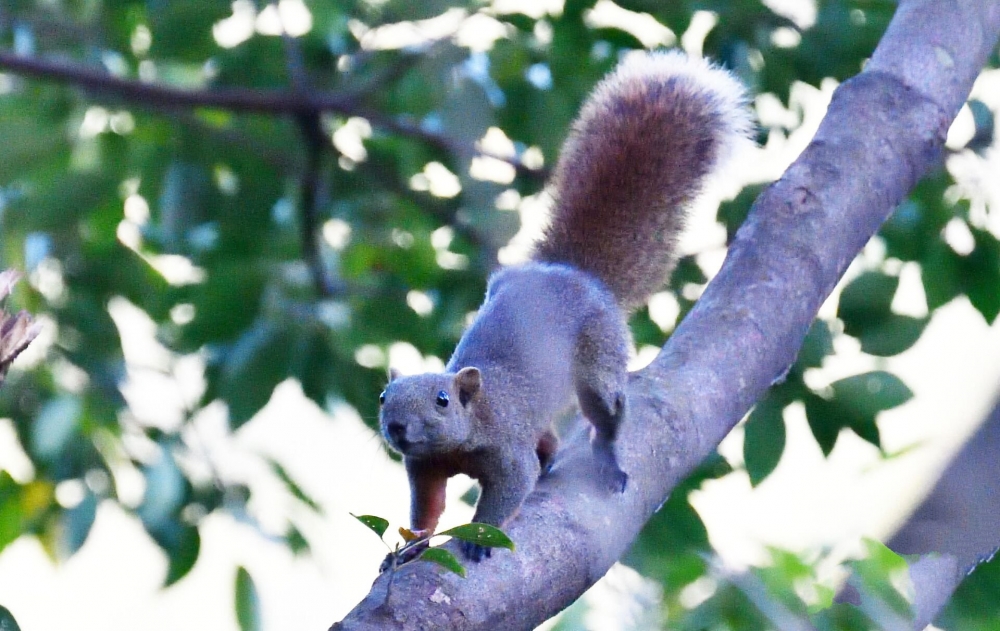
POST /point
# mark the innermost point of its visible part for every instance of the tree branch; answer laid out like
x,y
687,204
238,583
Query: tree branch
x,y
961,513
312,189
275,102
883,130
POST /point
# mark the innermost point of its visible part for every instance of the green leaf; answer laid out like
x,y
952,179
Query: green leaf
x,y
11,510
865,308
941,274
981,279
764,439
974,605
869,393
892,334
480,534
254,366
856,403
869,295
78,521
247,602
183,554
376,524
825,421
985,122
443,558
7,622
293,487
296,541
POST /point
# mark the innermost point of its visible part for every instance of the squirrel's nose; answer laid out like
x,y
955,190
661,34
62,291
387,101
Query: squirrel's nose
x,y
396,432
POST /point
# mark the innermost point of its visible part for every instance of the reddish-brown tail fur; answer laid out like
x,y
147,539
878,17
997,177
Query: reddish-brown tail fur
x,y
641,150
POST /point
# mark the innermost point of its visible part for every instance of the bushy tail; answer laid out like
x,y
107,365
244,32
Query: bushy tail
x,y
645,142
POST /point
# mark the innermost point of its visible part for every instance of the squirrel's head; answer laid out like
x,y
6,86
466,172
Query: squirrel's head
x,y
429,414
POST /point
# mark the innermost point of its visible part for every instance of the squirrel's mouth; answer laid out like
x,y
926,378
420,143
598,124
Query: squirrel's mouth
x,y
400,444
395,435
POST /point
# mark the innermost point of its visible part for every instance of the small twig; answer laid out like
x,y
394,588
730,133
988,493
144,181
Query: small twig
x,y
312,187
312,184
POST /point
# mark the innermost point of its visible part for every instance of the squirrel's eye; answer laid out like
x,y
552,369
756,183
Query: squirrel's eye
x,y
442,399
381,398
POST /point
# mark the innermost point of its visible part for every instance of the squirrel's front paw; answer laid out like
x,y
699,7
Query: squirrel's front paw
x,y
474,552
617,479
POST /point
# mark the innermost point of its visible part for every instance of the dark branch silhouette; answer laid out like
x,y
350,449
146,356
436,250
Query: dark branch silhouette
x,y
275,102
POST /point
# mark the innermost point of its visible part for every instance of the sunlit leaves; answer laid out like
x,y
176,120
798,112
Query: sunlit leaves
x,y
875,577
788,593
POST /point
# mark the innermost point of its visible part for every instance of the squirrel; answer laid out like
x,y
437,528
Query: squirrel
x,y
645,142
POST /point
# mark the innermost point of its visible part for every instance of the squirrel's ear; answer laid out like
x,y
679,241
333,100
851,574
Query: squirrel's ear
x,y
393,375
467,381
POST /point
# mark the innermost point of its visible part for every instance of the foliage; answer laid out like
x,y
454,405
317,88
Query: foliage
x,y
415,544
304,244
974,606
788,594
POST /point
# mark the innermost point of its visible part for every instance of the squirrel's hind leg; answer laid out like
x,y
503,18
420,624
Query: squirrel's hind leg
x,y
601,376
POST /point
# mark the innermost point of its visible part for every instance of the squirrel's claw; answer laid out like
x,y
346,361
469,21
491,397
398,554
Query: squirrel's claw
x,y
403,557
617,480
475,552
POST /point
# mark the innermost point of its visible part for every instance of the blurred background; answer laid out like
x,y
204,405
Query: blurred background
x,y
232,217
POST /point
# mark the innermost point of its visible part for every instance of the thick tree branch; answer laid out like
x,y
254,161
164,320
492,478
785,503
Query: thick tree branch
x,y
961,514
275,102
884,129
